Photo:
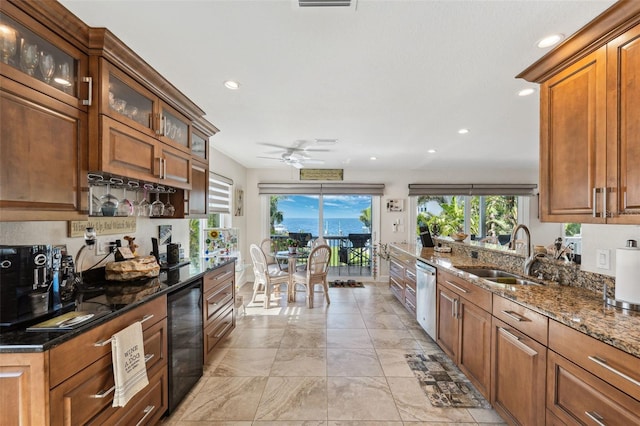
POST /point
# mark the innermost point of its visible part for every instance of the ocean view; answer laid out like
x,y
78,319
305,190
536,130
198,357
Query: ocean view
x,y
331,227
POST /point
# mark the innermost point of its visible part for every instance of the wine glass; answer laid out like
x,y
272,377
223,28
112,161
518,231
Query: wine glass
x,y
8,42
47,66
169,210
143,207
29,57
157,207
125,208
108,203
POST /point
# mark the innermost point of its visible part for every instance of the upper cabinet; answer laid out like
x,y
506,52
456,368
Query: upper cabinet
x,y
590,121
45,93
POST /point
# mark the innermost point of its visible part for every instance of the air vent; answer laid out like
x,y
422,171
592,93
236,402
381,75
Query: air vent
x,y
324,3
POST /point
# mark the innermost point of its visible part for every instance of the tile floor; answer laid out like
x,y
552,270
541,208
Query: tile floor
x,y
337,364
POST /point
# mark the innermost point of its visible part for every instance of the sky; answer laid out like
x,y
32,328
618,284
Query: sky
x,y
335,206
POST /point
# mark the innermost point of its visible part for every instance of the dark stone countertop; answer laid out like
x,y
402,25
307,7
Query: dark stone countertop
x,y
106,305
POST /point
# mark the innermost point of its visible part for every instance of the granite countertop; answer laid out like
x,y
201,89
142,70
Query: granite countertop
x,y
106,306
578,308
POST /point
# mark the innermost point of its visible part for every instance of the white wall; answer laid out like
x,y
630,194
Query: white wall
x,y
608,237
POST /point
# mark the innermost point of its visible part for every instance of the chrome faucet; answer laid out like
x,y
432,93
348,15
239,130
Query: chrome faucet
x,y
528,262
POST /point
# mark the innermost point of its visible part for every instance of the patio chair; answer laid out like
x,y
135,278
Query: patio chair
x,y
358,252
265,281
315,274
269,247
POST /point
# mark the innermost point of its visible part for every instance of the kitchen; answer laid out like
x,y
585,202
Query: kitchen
x,y
594,236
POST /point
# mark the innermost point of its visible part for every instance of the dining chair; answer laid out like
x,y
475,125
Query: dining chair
x,y
269,247
315,273
265,280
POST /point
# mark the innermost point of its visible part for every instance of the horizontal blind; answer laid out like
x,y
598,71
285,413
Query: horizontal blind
x,y
525,189
219,193
321,188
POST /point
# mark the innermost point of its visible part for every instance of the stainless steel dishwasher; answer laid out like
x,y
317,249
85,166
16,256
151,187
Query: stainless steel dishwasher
x,y
426,297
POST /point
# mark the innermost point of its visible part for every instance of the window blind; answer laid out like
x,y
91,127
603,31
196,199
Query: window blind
x,y
321,188
417,189
219,193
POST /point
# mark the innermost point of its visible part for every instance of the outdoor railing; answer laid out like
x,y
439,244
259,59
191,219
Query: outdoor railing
x,y
340,253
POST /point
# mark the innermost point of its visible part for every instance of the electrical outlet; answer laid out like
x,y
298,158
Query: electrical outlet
x,y
103,246
603,258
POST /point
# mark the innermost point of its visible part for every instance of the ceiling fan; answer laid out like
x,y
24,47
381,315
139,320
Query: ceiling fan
x,y
295,156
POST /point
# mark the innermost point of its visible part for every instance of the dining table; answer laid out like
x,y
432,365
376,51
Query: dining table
x,y
292,260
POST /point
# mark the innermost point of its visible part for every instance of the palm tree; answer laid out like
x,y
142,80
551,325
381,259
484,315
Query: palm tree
x,y
365,217
275,215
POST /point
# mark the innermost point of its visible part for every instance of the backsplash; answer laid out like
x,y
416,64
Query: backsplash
x,y
564,273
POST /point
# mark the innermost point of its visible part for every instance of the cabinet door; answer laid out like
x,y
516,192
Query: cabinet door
x,y
474,356
126,152
518,375
573,142
40,154
447,324
199,194
175,167
174,128
623,127
578,397
23,389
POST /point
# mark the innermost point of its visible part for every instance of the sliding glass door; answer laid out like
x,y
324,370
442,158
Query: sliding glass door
x,y
344,221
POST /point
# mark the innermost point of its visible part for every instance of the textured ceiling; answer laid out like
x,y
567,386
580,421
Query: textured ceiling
x,y
389,79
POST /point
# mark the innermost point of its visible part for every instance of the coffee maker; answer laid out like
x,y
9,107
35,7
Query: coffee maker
x,y
24,270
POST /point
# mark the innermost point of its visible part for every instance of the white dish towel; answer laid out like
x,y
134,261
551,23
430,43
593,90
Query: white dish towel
x,y
129,368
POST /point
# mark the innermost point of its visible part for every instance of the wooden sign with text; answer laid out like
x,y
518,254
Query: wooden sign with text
x,y
321,174
103,226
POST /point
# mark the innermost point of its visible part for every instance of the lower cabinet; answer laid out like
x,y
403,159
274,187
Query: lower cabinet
x,y
218,306
576,396
464,334
518,375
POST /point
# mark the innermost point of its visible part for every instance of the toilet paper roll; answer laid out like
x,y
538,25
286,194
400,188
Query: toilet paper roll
x,y
628,275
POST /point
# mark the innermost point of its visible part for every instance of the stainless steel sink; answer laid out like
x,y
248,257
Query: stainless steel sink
x,y
497,276
511,281
487,272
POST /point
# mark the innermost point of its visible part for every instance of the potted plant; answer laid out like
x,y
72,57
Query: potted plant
x,y
292,244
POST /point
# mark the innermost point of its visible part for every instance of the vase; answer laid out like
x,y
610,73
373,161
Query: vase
x,y
292,250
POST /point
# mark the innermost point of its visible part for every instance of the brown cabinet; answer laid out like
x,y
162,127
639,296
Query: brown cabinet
x,y
218,309
518,375
589,121
85,389
464,328
402,278
573,142
576,396
44,123
23,385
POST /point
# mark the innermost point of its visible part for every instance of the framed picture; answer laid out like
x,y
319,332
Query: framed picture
x,y
239,203
164,234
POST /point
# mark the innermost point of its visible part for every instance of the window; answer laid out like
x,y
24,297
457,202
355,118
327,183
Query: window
x,y
485,211
220,190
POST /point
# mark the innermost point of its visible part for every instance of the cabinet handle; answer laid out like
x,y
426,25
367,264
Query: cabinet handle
x,y
164,162
224,330
510,334
410,289
219,277
104,393
105,342
603,363
596,418
87,101
455,308
225,296
146,412
457,287
514,315
604,202
148,357
594,202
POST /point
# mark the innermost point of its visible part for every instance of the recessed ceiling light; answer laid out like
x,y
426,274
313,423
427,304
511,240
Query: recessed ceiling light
x,y
232,85
431,151
463,131
550,40
526,92
373,158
